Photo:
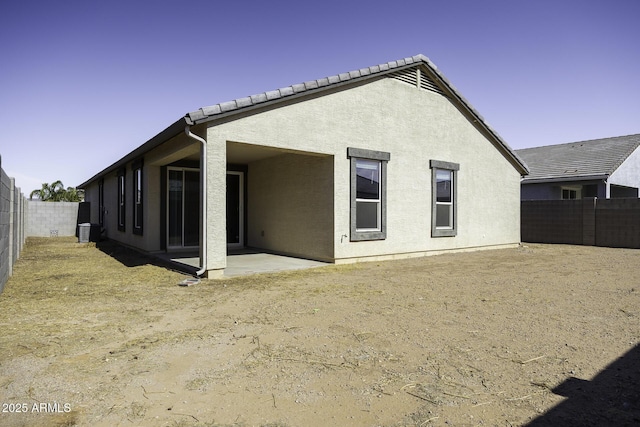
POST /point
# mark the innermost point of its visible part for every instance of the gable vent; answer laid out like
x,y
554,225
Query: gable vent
x,y
411,76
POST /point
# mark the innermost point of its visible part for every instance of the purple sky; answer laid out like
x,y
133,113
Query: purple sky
x,y
83,83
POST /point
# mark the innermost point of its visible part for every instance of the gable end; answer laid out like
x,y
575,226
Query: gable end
x,y
417,78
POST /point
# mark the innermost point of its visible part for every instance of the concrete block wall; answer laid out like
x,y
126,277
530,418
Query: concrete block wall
x,y
617,223
590,221
12,225
51,219
5,237
552,221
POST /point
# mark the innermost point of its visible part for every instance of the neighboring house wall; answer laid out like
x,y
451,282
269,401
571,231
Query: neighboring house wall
x,y
553,191
628,173
414,126
603,168
540,192
51,219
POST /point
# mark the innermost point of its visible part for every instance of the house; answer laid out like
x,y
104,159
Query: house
x,y
603,168
378,163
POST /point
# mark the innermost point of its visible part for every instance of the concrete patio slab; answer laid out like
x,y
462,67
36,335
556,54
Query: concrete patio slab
x,y
242,262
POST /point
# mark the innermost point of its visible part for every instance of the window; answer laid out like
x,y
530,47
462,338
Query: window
x,y
444,218
368,194
137,197
121,200
101,207
571,193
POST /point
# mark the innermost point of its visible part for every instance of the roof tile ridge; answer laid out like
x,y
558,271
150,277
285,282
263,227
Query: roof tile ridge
x,y
580,142
247,101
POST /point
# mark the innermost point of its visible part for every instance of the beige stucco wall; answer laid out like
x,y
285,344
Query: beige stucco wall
x,y
414,126
150,239
91,195
216,215
290,199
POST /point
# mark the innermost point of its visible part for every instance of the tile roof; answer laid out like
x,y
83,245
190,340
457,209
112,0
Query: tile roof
x,y
593,158
213,112
208,113
224,109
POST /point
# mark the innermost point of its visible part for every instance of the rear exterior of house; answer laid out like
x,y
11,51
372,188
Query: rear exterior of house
x,y
383,162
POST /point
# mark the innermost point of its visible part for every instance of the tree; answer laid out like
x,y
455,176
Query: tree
x,y
55,192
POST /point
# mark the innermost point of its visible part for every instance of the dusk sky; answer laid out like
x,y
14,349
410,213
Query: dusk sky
x,y
82,83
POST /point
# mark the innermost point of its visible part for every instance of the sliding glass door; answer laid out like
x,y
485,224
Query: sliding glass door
x,y
183,216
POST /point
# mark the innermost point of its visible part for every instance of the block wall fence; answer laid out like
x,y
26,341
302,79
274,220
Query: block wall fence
x,y
51,219
591,221
12,225
21,218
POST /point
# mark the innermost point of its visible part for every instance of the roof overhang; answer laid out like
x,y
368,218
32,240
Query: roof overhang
x,y
271,99
601,177
175,129
478,120
313,87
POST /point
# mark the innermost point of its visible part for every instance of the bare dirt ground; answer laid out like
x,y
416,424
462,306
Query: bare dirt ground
x,y
539,335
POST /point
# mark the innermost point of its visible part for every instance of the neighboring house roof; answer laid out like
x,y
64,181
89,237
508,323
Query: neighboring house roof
x,y
434,81
575,161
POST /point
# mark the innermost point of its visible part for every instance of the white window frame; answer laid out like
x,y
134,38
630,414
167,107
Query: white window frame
x,y
452,229
377,201
576,189
451,201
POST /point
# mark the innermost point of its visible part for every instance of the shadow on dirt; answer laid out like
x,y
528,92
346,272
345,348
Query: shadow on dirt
x,y
612,398
131,258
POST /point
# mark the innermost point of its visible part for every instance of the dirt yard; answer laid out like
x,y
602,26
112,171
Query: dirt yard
x,y
538,335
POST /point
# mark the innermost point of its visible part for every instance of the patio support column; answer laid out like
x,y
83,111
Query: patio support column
x,y
216,204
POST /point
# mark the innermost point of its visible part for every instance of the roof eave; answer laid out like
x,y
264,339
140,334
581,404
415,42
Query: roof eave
x,y
173,130
314,87
196,118
301,90
520,164
598,177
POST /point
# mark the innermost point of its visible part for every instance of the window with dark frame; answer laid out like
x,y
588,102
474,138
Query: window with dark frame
x,y
121,200
101,207
137,197
368,194
444,215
